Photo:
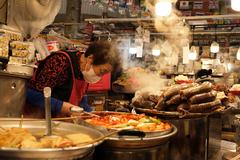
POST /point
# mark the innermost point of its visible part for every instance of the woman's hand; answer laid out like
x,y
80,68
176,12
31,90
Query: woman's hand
x,y
69,109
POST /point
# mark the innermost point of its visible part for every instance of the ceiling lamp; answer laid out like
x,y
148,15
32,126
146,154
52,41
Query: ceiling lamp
x,y
192,55
133,50
235,4
156,51
214,47
238,54
163,8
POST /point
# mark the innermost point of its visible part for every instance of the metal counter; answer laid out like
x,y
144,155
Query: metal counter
x,y
197,139
12,94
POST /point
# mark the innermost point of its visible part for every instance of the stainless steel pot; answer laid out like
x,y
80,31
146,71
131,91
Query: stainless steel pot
x,y
151,147
12,94
63,128
150,140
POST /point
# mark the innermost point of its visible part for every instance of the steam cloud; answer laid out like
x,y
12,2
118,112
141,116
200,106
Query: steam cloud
x,y
176,34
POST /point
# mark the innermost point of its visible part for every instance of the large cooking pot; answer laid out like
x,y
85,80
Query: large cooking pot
x,y
63,128
12,94
133,145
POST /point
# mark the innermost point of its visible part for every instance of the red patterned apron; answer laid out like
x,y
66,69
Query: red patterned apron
x,y
79,87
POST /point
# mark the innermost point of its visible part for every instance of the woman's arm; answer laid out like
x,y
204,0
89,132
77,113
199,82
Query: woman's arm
x,y
36,98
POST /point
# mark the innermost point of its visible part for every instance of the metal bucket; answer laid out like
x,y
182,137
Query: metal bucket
x,y
12,94
197,139
159,152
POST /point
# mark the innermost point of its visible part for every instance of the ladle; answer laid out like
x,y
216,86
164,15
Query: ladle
x,y
47,103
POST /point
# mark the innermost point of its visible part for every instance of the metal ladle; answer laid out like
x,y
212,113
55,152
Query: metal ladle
x,y
47,104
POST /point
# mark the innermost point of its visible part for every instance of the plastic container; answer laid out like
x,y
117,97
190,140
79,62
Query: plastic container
x,y
102,85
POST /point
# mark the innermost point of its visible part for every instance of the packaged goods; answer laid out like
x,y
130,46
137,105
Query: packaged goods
x,y
20,53
17,60
18,45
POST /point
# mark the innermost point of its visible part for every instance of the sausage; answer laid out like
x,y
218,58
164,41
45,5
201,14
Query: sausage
x,y
173,90
203,88
203,98
183,106
148,104
204,107
174,100
160,105
154,98
141,103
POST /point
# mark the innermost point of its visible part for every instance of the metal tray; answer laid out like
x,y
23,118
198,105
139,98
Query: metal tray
x,y
178,115
50,153
133,141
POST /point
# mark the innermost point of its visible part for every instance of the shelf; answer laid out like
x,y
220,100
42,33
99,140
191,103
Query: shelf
x,y
192,74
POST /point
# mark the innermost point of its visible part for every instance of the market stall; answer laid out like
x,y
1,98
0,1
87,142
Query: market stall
x,y
128,80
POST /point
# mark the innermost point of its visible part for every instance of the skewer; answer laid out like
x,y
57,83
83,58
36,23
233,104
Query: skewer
x,y
100,138
21,121
35,119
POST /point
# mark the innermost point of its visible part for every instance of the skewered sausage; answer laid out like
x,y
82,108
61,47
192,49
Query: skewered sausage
x,y
153,98
174,100
183,106
174,90
204,107
160,105
141,103
203,98
203,88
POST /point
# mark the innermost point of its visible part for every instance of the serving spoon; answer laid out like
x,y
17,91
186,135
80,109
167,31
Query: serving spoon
x,y
47,105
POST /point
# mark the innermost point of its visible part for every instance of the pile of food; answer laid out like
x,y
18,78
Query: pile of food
x,y
192,97
139,122
23,138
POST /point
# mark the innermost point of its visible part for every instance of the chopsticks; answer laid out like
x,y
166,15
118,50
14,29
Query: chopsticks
x,y
39,119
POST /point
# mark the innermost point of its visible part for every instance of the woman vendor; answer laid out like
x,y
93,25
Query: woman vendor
x,y
68,75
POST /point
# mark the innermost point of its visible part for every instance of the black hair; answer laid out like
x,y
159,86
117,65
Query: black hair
x,y
104,52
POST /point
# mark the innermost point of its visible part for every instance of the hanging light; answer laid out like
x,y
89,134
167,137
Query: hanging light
x,y
238,54
163,8
192,55
133,50
156,51
214,47
235,4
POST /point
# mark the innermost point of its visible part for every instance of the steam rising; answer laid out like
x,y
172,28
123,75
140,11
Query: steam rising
x,y
176,34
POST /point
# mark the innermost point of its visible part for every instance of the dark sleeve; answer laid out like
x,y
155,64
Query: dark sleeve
x,y
53,73
36,98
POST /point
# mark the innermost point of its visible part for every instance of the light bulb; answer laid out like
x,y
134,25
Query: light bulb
x,y
133,50
163,8
214,47
156,52
235,4
192,55
238,54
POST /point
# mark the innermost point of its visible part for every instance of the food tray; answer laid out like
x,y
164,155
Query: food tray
x,y
147,133
134,141
178,115
64,128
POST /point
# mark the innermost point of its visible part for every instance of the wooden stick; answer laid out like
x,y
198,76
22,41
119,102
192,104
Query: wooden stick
x,y
99,139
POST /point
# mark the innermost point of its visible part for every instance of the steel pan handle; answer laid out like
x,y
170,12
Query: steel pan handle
x,y
140,134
